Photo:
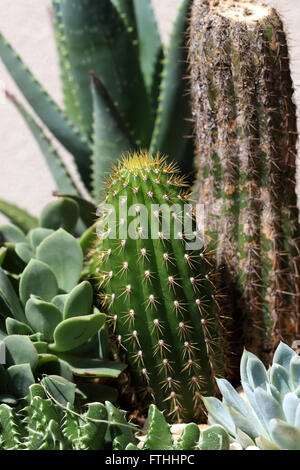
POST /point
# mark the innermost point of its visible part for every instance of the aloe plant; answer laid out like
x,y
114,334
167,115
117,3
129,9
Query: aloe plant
x,y
120,92
270,416
49,323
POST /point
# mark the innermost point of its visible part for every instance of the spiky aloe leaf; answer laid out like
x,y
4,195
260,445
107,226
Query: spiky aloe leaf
x,y
20,217
49,112
98,40
67,80
150,47
111,138
174,110
127,13
60,174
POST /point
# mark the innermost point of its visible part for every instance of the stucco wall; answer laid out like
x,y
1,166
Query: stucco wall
x,y
24,178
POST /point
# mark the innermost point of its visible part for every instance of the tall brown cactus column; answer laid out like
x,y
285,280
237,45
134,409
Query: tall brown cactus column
x,y
246,150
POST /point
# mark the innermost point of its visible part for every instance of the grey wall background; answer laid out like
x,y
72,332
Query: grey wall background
x,y
24,178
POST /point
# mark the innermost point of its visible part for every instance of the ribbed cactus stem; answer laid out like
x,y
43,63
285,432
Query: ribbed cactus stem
x,y
246,148
160,297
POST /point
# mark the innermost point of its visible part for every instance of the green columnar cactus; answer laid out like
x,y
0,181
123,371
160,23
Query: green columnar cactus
x,y
246,149
160,297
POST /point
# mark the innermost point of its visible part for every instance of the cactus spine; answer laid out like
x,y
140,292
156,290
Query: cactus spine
x,y
246,149
160,298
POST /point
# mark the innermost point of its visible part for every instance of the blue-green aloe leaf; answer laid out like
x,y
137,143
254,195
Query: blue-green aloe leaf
x,y
98,40
20,217
55,163
64,256
37,279
48,111
149,46
174,110
111,138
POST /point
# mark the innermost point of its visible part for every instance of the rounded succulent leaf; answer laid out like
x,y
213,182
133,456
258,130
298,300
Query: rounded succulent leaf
x,y
63,213
20,350
24,251
15,327
73,332
64,256
37,235
20,379
37,279
42,316
79,301
12,234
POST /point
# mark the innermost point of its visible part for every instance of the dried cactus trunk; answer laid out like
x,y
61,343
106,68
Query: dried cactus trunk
x,y
160,297
246,148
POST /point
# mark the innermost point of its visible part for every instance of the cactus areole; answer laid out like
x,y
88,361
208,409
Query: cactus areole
x,y
246,148
160,297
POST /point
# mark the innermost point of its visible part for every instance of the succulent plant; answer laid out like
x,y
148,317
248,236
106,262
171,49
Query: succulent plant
x,y
120,92
246,148
47,319
158,291
269,416
43,424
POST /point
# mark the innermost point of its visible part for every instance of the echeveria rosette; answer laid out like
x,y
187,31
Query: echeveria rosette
x,y
270,415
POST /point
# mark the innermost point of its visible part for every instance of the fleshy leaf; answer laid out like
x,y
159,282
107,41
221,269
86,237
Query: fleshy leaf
x,y
37,235
11,233
20,378
42,316
79,301
73,332
214,438
64,256
60,389
37,279
20,350
9,302
20,217
63,213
